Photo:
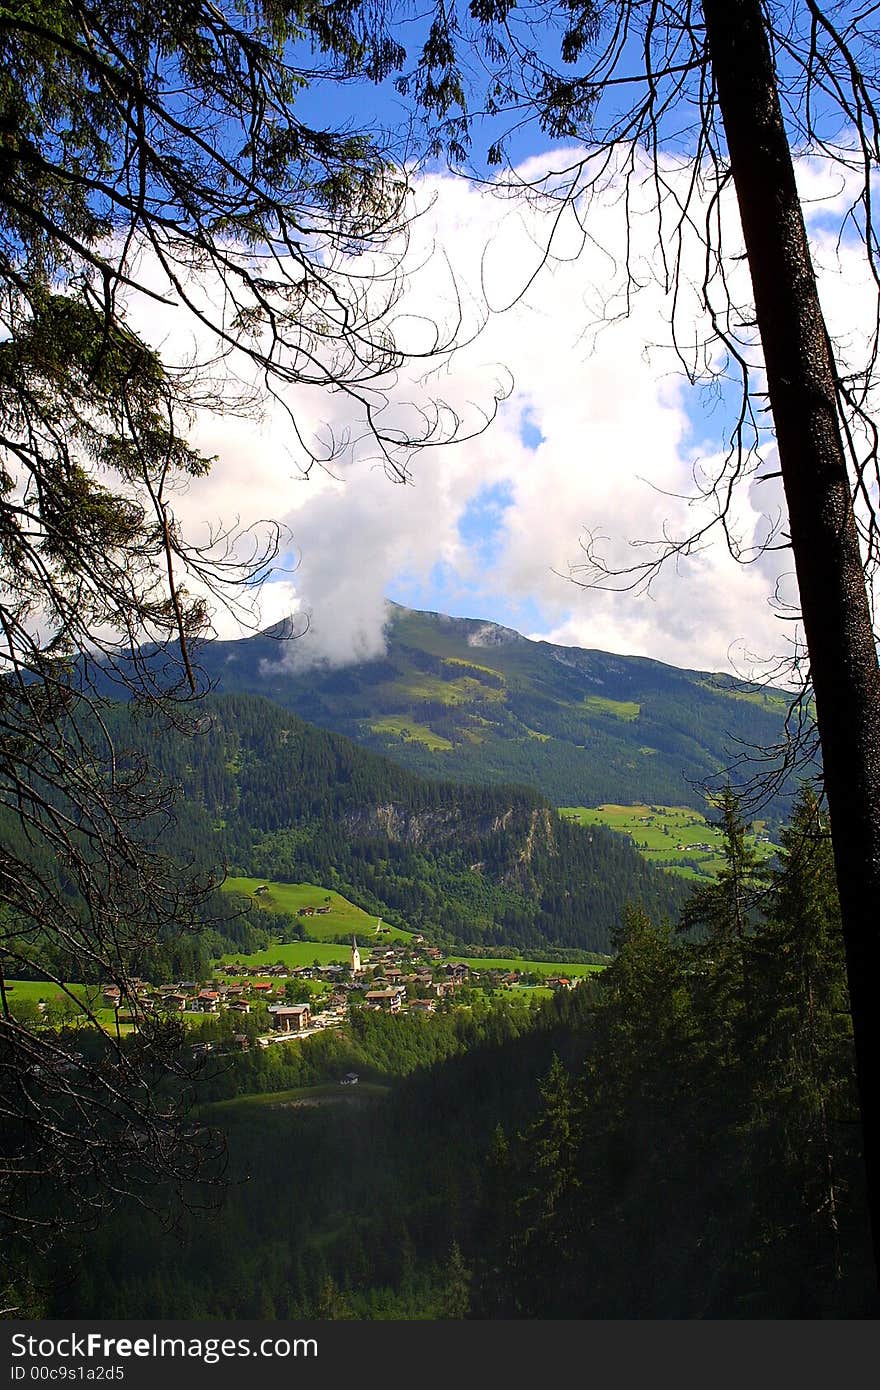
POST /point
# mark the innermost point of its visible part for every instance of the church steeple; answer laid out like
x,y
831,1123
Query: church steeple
x,y
356,966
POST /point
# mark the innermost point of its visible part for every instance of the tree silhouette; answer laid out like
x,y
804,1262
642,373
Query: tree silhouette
x,y
691,102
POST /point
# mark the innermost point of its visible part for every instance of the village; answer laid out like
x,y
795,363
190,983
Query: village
x,y
288,1002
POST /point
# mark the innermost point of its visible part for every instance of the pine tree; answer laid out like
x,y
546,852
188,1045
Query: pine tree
x,y
808,1182
547,1209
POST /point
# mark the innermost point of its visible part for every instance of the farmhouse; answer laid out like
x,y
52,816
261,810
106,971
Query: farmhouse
x,y
390,999
290,1018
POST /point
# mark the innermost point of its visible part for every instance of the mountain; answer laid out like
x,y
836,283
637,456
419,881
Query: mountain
x,y
280,799
465,699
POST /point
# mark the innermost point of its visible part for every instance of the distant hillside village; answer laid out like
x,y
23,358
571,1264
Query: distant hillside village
x,y
281,1001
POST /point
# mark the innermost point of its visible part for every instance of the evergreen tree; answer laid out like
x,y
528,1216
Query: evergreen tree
x,y
543,1248
807,1170
722,908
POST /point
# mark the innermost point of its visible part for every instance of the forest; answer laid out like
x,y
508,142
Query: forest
x,y
268,795
674,1139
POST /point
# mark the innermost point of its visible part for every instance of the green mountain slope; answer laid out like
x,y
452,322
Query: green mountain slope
x,y
494,866
473,701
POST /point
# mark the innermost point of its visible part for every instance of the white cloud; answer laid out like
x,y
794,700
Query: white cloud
x,y
622,434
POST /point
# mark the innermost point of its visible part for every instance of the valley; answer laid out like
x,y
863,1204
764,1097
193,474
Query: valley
x,y
412,998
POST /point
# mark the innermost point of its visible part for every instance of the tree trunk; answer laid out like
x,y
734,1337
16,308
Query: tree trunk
x,y
825,544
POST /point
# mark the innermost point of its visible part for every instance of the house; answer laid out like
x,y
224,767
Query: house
x,y
241,1042
456,969
351,1078
239,1006
388,999
111,996
263,988
208,1001
174,1002
290,1018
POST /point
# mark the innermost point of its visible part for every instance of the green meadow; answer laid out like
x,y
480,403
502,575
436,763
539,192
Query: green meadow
x,y
667,836
398,726
294,953
343,918
35,992
530,967
627,710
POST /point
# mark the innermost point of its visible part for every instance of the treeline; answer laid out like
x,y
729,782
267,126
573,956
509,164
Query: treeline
x,y
676,1138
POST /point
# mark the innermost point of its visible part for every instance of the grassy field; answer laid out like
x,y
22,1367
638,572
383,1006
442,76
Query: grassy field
x,y
531,967
461,690
667,836
295,953
763,698
398,726
343,919
627,710
37,991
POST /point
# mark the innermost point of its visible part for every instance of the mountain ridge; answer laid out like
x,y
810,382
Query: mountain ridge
x,y
474,701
